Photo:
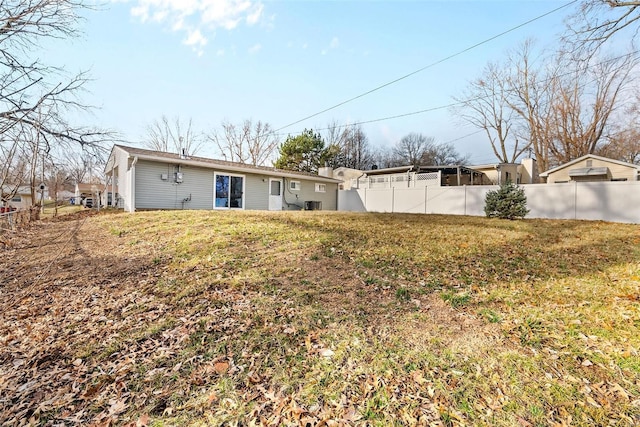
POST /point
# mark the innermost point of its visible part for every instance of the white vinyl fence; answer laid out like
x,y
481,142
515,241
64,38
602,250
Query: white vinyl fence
x,y
399,180
607,201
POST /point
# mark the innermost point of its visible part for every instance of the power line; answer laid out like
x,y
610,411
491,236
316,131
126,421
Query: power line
x,y
428,66
465,101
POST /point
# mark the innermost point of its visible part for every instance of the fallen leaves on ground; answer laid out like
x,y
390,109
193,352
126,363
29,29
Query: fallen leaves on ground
x,y
334,320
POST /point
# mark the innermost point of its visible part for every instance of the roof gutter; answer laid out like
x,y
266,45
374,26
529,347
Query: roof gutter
x,y
230,168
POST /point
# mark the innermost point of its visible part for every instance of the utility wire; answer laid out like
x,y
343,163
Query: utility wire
x,y
465,101
429,66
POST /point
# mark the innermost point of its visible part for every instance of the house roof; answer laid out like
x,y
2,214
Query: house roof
x,y
22,190
164,157
588,156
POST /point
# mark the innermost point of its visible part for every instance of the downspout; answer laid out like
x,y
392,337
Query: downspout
x,y
132,205
286,188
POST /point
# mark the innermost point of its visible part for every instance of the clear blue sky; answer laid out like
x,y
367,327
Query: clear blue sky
x,y
279,61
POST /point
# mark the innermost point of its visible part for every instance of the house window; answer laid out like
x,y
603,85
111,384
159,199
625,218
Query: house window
x,y
294,185
321,188
589,163
228,191
17,198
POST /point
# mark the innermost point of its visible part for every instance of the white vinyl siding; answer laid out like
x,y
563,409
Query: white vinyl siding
x,y
296,199
256,192
294,185
152,192
151,184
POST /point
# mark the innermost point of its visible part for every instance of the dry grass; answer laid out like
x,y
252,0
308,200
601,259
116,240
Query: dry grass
x,y
317,318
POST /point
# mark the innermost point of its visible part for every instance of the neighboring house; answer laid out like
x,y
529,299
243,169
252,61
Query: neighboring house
x,y
96,192
84,190
346,175
525,172
65,195
590,168
20,199
146,179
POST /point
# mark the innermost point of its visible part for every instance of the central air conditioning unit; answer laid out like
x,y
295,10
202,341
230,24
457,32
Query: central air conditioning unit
x,y
312,205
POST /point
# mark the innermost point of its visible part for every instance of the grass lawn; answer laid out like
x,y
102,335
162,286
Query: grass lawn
x,y
50,211
319,319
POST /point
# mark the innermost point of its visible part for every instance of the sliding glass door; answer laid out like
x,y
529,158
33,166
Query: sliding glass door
x,y
229,191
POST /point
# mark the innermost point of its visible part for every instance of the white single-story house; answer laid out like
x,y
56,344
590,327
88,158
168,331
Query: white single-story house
x,y
18,198
525,172
147,179
591,168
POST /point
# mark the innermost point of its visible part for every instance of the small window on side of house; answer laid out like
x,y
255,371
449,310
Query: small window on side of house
x,y
17,198
294,185
321,188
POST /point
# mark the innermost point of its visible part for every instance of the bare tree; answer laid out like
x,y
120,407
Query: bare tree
x,y
249,143
484,105
173,136
350,145
79,166
36,98
529,95
355,149
383,157
13,169
565,108
582,104
28,87
598,21
335,133
624,146
444,154
412,148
